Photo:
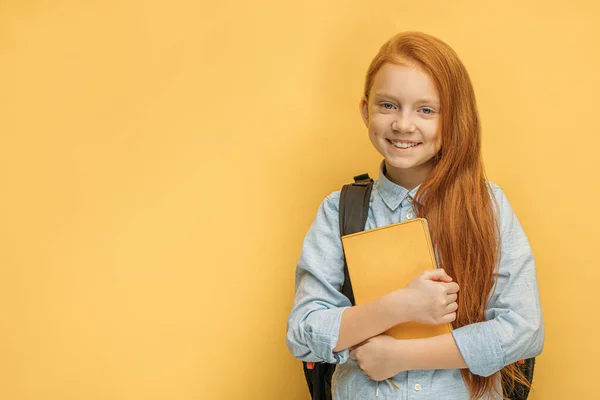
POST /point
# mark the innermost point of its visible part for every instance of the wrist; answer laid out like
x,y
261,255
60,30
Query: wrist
x,y
398,303
401,353
437,352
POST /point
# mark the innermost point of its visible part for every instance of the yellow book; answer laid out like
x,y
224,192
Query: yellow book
x,y
386,259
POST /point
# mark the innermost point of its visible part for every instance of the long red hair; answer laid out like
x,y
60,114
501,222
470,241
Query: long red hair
x,y
455,198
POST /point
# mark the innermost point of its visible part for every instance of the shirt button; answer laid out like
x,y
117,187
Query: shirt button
x,y
417,387
409,216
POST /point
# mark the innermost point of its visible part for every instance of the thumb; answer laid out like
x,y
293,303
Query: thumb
x,y
439,275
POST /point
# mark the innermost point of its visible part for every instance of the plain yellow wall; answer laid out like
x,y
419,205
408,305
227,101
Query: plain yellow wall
x,y
160,163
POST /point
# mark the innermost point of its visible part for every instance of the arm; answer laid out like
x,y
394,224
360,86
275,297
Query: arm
x,y
370,319
322,324
438,352
514,326
314,322
383,356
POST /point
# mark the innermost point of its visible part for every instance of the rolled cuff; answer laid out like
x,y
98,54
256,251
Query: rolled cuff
x,y
317,336
480,348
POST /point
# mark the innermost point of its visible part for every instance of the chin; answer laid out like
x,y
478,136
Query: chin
x,y
401,164
415,165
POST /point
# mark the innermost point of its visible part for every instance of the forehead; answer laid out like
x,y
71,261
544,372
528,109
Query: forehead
x,y
407,82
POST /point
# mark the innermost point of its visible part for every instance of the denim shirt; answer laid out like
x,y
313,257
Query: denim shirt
x,y
513,330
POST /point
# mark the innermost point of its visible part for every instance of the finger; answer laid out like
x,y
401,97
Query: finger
x,y
449,318
452,307
353,354
361,370
452,287
451,298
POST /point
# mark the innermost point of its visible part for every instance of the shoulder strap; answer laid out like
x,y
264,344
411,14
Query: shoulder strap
x,y
353,212
354,204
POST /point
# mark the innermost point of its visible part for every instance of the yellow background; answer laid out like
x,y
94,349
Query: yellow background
x,y
161,161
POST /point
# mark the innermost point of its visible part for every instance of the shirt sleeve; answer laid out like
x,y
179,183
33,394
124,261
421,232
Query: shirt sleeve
x,y
314,323
514,326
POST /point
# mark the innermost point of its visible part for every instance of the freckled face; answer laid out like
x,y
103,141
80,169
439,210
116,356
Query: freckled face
x,y
402,114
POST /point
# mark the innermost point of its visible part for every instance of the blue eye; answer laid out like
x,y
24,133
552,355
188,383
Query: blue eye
x,y
388,106
429,111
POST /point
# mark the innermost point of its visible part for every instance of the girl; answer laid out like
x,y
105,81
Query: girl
x,y
420,112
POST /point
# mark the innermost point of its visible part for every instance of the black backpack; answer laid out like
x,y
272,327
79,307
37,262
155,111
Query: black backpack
x,y
353,212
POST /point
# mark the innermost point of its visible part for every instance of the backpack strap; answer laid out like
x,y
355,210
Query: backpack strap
x,y
354,205
353,213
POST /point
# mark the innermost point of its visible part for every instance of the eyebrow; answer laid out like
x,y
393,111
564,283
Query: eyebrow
x,y
419,101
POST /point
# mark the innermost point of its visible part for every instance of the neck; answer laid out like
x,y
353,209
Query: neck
x,y
407,178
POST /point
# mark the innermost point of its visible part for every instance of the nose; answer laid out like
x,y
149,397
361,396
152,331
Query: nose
x,y
403,122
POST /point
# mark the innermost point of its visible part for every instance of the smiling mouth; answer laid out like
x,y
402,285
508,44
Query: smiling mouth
x,y
404,145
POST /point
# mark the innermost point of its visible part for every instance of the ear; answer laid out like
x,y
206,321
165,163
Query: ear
x,y
364,110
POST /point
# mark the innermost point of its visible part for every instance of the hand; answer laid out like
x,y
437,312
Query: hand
x,y
377,358
432,298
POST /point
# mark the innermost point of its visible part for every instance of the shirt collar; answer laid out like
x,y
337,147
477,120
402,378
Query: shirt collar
x,y
393,195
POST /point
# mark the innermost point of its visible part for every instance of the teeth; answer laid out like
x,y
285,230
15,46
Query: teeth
x,y
404,145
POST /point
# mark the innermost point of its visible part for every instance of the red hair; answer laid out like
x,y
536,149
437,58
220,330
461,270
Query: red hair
x,y
455,197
